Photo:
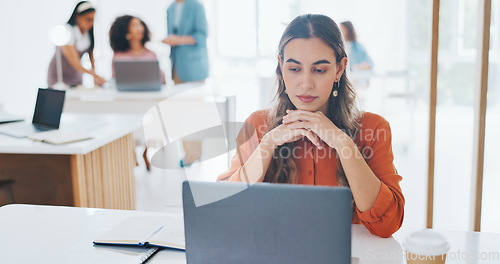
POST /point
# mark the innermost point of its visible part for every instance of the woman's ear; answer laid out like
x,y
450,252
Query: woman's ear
x,y
342,65
279,61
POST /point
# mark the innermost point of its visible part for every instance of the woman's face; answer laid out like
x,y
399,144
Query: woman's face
x,y
86,21
136,29
309,70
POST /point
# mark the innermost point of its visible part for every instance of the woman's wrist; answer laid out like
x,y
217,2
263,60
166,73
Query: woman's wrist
x,y
267,143
341,141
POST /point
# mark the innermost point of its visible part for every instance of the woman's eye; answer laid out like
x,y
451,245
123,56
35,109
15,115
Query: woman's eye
x,y
319,70
294,69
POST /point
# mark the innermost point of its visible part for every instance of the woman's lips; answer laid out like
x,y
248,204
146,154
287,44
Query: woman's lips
x,y
306,98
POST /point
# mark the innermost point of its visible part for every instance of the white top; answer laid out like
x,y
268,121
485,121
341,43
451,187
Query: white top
x,y
78,39
104,128
179,6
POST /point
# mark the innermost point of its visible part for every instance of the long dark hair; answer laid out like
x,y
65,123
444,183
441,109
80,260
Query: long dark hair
x,y
72,20
342,110
119,30
351,33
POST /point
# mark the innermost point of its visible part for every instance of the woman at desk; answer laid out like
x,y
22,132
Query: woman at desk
x,y
315,135
81,27
128,36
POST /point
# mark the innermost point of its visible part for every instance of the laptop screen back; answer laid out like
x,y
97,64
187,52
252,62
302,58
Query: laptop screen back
x,y
266,223
137,75
48,107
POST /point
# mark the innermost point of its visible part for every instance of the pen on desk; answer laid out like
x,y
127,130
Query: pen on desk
x,y
145,239
148,254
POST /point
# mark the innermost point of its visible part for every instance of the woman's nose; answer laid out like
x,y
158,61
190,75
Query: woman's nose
x,y
307,81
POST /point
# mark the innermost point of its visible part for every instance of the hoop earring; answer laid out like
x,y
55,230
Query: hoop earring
x,y
335,92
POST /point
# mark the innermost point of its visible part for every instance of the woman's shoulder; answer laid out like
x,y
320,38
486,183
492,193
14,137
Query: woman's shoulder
x,y
371,121
258,117
149,53
374,128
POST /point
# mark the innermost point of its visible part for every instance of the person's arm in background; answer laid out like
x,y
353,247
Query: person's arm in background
x,y
71,54
98,80
199,34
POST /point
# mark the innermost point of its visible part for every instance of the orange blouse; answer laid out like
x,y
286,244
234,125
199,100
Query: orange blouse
x,y
319,167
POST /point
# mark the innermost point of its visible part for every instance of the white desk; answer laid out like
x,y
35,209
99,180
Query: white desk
x,y
112,101
56,234
90,173
50,234
183,98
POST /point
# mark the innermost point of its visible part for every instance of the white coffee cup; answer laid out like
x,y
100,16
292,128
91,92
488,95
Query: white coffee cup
x,y
426,246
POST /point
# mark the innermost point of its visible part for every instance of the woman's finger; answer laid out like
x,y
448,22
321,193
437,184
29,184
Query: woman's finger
x,y
303,116
311,136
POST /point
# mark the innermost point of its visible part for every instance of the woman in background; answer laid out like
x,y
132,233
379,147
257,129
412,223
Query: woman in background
x,y
187,37
128,36
81,27
359,58
315,135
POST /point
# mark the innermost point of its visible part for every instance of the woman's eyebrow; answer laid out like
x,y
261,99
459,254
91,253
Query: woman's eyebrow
x,y
321,62
316,63
293,61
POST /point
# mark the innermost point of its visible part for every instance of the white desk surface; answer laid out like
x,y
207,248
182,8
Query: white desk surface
x,y
187,91
105,128
54,234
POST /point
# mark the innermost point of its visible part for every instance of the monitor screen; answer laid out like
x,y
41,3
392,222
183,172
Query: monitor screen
x,y
48,107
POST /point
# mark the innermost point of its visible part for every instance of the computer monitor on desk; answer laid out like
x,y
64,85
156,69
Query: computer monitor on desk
x,y
267,223
137,75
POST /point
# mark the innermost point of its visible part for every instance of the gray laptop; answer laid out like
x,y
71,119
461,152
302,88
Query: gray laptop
x,y
137,75
47,115
267,223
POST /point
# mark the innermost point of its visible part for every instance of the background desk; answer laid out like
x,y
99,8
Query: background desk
x,y
112,101
55,234
89,173
200,99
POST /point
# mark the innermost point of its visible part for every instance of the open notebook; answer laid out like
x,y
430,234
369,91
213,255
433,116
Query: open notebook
x,y
60,136
164,232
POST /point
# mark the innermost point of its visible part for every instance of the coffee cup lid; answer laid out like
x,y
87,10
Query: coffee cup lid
x,y
426,242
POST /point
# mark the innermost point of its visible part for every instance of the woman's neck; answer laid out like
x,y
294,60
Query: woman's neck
x,y
136,47
81,30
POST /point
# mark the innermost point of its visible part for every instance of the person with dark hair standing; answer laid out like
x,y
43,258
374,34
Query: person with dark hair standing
x,y
358,56
128,36
315,135
81,27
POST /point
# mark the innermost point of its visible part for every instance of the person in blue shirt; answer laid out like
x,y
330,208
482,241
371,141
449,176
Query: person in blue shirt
x,y
358,57
187,37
